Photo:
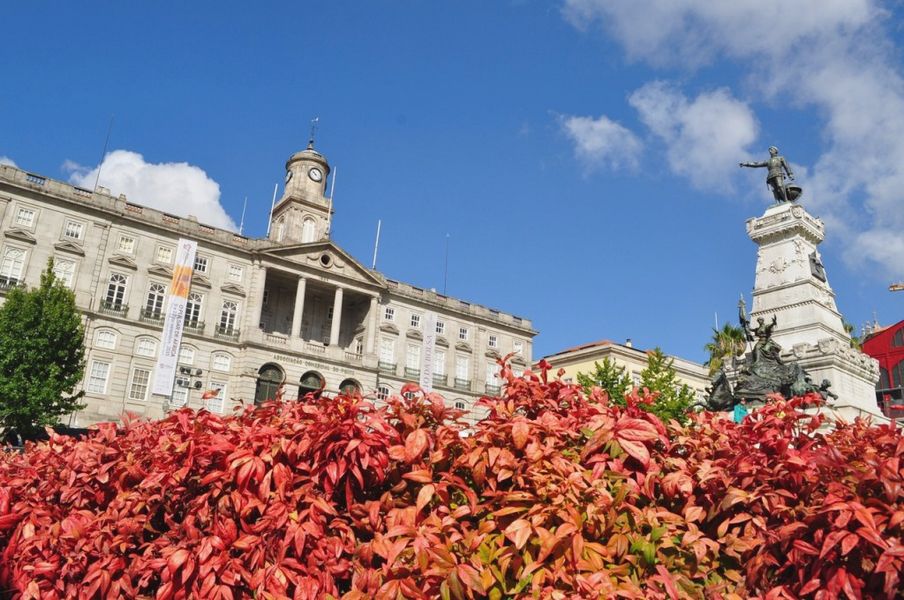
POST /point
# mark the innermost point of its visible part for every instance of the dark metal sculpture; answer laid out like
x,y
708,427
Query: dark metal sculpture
x,y
775,177
763,371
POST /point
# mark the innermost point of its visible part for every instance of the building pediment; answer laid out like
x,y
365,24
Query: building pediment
x,y
389,328
160,271
441,341
414,334
70,248
200,280
492,354
123,261
20,234
231,288
463,347
327,257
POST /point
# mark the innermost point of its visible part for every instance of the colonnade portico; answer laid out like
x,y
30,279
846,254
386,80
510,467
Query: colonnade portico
x,y
320,312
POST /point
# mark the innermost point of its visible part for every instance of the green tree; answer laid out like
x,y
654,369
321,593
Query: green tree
x,y
42,354
856,340
608,376
675,398
727,342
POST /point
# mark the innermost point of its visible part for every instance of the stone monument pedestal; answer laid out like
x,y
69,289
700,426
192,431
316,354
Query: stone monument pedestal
x,y
791,284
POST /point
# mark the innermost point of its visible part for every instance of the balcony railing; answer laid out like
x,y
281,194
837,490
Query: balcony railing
x,y
9,282
440,380
194,326
493,390
353,357
154,317
226,333
113,308
414,373
462,384
387,367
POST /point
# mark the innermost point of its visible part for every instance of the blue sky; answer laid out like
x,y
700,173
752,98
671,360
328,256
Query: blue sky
x,y
580,155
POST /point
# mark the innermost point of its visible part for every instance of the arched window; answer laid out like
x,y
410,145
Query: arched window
x,y
269,379
898,370
311,382
349,387
221,362
383,392
106,339
460,405
884,382
186,355
153,307
12,265
227,316
898,340
145,346
308,232
116,291
193,309
280,230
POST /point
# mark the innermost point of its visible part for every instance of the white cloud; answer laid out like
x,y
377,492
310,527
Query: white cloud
x,y
602,142
704,137
5,160
177,188
833,56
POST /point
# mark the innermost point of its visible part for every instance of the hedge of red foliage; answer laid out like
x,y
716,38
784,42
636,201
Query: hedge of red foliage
x,y
553,495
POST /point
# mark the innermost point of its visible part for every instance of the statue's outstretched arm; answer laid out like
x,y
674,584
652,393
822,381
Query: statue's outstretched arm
x,y
753,164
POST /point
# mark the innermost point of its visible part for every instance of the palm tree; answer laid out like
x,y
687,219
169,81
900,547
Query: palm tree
x,y
727,342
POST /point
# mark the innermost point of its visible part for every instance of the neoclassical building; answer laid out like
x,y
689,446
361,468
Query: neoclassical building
x,y
292,309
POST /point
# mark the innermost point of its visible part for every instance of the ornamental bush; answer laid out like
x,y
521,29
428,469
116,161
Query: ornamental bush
x,y
555,494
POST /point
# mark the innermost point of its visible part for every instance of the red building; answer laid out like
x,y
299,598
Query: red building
x,y
886,345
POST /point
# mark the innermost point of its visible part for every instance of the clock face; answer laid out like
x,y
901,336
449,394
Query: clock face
x,y
288,176
315,174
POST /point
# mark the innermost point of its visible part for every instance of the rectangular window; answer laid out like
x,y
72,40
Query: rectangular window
x,y
415,320
492,373
463,334
73,230
440,328
179,397
228,316
126,244
413,357
25,217
201,264
116,291
164,255
138,389
492,341
387,351
439,363
97,377
518,347
12,266
193,309
236,273
218,402
389,313
64,270
462,368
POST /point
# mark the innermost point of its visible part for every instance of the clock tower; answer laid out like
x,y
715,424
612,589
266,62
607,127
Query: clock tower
x,y
302,215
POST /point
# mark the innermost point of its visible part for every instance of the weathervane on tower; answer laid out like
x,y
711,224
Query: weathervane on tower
x,y
314,123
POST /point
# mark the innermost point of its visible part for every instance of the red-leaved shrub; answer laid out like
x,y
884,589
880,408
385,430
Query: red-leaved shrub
x,y
553,495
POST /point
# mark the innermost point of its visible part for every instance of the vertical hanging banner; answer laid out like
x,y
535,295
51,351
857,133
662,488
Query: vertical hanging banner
x,y
165,373
428,346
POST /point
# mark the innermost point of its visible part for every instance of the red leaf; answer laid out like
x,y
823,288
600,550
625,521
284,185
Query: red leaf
x,y
637,450
518,532
520,434
415,444
424,496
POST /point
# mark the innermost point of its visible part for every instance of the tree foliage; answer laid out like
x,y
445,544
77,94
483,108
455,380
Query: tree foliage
x,y
726,343
672,399
553,495
41,355
609,377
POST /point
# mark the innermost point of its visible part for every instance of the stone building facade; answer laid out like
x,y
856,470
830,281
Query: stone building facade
x,y
292,309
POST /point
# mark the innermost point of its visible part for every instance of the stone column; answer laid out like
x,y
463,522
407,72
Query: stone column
x,y
371,326
298,313
258,301
337,318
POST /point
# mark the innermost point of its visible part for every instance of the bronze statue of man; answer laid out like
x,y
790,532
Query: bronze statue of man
x,y
775,178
